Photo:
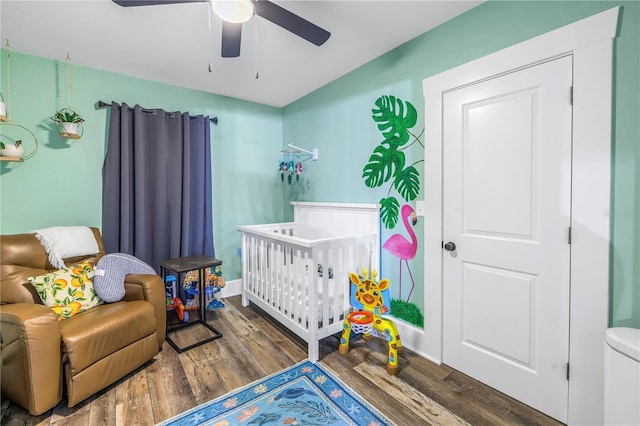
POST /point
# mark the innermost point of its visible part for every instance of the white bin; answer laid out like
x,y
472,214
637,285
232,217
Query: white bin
x,y
622,377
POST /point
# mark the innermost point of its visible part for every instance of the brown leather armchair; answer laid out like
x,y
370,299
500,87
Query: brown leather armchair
x,y
42,357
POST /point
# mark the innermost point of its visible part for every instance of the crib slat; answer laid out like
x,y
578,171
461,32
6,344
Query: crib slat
x,y
263,270
340,285
289,279
320,264
245,269
278,267
268,283
304,287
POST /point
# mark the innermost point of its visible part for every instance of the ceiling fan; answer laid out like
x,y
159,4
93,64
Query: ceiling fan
x,y
235,12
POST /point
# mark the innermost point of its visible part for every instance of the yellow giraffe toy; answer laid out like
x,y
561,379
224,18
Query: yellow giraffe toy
x,y
371,298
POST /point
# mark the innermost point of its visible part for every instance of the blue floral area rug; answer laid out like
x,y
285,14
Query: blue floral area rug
x,y
305,394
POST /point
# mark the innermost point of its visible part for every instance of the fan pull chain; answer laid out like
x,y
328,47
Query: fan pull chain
x,y
209,52
257,76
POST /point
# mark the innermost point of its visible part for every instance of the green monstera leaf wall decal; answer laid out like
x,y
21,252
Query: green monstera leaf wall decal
x,y
390,208
394,118
407,183
382,165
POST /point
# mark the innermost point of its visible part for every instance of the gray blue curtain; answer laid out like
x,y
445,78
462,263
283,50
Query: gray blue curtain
x,y
157,185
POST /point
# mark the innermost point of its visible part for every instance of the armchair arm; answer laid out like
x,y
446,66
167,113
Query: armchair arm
x,y
31,356
150,288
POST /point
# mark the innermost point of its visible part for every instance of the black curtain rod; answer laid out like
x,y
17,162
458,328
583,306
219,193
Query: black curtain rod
x,y
102,104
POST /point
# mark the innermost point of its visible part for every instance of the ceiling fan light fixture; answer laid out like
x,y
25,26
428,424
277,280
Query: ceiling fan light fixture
x,y
234,11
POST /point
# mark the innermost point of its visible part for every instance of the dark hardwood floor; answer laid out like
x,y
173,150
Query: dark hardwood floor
x,y
253,346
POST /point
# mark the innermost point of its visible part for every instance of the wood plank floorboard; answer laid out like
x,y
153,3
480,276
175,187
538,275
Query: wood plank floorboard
x,y
169,385
253,346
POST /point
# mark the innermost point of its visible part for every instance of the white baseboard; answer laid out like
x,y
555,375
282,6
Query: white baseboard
x,y
231,288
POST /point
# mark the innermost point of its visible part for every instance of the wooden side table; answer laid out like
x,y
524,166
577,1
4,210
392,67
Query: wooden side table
x,y
178,267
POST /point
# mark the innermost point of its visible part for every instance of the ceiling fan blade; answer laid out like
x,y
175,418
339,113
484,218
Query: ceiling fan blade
x,y
231,35
291,22
128,3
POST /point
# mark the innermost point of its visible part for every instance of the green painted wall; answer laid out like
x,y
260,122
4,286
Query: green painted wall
x,y
62,183
337,119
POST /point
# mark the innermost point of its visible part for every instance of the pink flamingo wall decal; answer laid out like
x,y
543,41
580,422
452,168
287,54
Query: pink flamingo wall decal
x,y
400,247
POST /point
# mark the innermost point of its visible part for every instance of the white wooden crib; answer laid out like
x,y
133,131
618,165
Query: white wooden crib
x,y
288,268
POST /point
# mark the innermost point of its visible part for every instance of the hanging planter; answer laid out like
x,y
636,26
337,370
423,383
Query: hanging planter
x,y
68,123
3,109
15,150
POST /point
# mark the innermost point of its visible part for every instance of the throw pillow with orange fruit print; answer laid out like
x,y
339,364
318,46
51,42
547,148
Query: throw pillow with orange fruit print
x,y
67,291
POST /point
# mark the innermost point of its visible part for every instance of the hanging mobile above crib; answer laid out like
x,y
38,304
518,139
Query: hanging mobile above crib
x,y
291,163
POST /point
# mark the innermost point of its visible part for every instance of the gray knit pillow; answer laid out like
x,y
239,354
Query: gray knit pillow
x,y
110,272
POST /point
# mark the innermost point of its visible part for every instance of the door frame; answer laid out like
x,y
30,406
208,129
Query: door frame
x,y
590,42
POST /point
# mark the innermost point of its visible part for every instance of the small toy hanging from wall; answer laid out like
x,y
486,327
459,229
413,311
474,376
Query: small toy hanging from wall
x,y
291,163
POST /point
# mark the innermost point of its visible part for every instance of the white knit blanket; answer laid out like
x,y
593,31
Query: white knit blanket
x,y
61,242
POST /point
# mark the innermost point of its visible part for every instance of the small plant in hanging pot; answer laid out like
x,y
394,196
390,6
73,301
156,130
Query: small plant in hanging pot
x,y
3,109
14,150
70,122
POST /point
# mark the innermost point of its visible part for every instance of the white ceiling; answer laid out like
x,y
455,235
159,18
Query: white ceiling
x,y
170,43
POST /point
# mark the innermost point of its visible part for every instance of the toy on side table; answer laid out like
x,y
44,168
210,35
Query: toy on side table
x,y
214,281
371,299
190,290
210,298
173,301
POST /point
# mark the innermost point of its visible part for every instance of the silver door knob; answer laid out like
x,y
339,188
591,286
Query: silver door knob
x,y
450,246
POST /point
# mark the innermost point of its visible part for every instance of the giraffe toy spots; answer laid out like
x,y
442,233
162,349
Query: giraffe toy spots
x,y
371,300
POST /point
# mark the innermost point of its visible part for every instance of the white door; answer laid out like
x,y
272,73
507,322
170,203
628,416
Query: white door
x,y
507,194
